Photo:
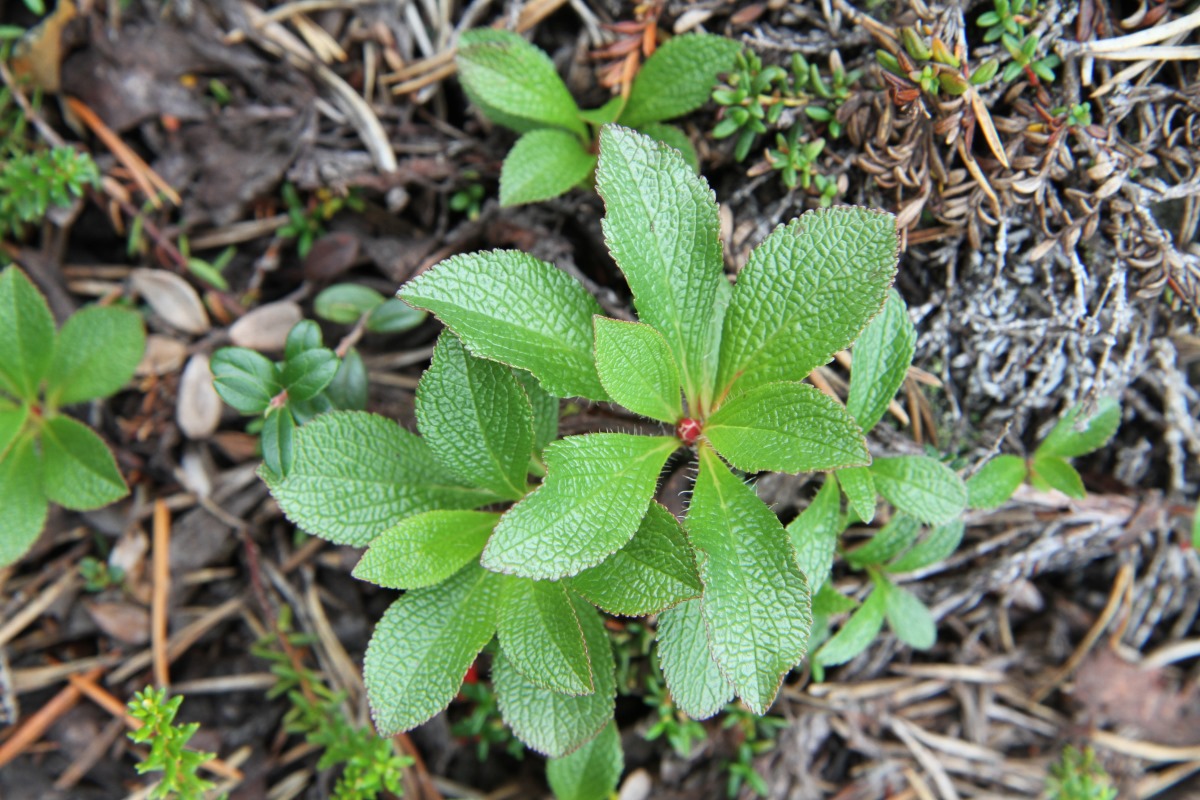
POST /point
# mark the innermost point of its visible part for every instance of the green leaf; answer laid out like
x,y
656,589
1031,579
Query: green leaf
x,y
1055,473
26,335
476,418
96,353
394,316
1073,436
637,369
678,78
696,683
921,486
306,376
348,389
245,379
497,303
279,441
907,616
888,542
662,228
882,356
345,303
557,724
938,545
756,601
859,487
12,422
357,474
829,601
592,771
545,411
424,645
425,549
786,427
604,114
80,471
673,137
543,164
22,499
304,335
656,570
815,534
805,294
595,494
996,482
541,637
502,72
856,634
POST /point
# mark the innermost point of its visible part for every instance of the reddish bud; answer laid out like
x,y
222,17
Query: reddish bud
x,y
688,430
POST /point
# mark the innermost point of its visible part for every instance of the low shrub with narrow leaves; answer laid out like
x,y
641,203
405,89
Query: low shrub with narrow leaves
x,y
516,85
456,516
45,455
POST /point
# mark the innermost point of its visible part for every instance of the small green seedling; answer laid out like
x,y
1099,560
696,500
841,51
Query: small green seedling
x,y
1025,58
168,747
31,183
350,303
1008,16
457,518
310,380
306,222
45,455
796,162
515,85
1078,776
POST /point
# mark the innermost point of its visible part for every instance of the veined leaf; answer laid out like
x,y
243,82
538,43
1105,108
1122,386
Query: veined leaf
x,y
304,335
921,486
557,724
654,571
278,440
425,549
22,499
756,601
882,356
996,482
80,471
357,474
678,78
856,634
696,683
1069,438
424,645
815,534
307,374
662,227
890,540
96,353
806,293
673,137
12,422
595,494
545,411
637,369
497,303
541,637
859,487
786,427
939,544
1052,472
503,72
907,616
26,335
476,418
543,164
592,771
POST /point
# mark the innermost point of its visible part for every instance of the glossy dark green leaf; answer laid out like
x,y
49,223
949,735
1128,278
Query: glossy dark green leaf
x,y
307,375
245,379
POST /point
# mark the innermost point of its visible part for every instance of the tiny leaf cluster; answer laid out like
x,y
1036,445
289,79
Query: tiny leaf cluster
x,y
45,455
457,518
516,85
168,746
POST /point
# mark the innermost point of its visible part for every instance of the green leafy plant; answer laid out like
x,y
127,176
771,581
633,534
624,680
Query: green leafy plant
x,y
98,575
756,735
32,182
453,517
369,764
168,746
306,221
469,199
933,68
796,162
1026,58
483,724
310,380
515,85
348,303
45,455
1008,16
1077,776
679,730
